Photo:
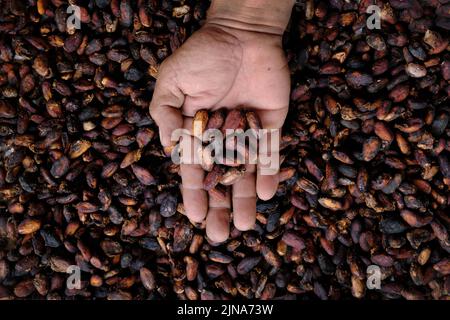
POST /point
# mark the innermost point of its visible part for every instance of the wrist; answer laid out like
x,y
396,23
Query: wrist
x,y
264,16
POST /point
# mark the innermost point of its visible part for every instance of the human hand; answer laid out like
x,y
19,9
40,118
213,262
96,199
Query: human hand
x,y
223,65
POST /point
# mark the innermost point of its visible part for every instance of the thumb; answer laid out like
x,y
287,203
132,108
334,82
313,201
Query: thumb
x,y
165,107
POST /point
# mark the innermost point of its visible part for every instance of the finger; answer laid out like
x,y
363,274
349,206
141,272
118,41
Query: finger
x,y
268,158
268,167
218,218
195,197
187,123
266,185
244,200
165,105
273,119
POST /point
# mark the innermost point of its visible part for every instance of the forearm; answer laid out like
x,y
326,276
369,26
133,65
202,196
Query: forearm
x,y
268,16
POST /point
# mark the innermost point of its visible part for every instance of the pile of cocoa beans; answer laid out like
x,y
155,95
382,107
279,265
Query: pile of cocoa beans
x,y
86,188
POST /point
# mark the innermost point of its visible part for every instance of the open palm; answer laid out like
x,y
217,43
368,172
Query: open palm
x,y
220,67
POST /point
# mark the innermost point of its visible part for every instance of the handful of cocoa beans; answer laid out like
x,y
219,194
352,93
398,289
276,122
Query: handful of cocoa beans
x,y
227,125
